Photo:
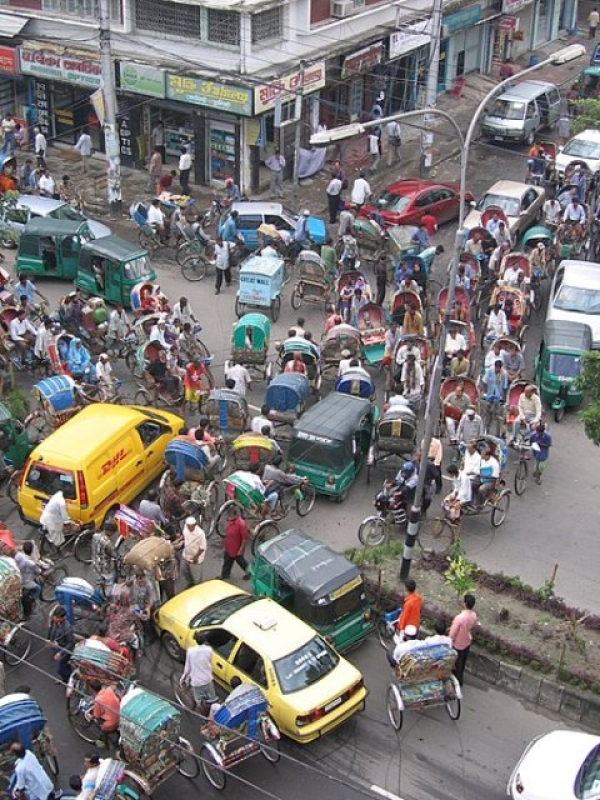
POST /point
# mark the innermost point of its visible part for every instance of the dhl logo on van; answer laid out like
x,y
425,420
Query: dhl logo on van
x,y
113,462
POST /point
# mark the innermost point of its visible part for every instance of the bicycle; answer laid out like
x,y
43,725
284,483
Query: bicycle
x,y
184,694
158,396
77,542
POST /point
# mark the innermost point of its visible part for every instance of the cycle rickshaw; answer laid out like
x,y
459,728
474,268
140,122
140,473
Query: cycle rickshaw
x,y
370,238
15,642
515,306
401,299
572,239
253,448
347,285
261,282
339,338
188,462
240,728
356,384
423,677
250,344
147,298
227,413
286,397
447,388
23,720
58,403
371,320
312,284
310,359
395,435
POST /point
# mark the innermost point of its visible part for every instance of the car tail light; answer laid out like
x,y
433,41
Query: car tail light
x,y
83,497
306,719
356,688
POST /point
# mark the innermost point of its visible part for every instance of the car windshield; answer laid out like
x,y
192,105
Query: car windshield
x,y
219,612
392,201
564,365
587,784
326,456
510,205
305,666
578,300
582,148
508,110
137,268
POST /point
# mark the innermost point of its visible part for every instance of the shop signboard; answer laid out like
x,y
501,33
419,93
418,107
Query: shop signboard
x,y
507,23
125,140
470,15
41,101
512,6
285,88
141,79
363,60
211,94
68,67
8,61
410,38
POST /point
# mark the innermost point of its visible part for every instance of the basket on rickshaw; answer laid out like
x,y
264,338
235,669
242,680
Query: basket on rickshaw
x,y
23,720
355,383
337,339
151,741
286,397
154,555
227,413
298,345
371,321
424,677
253,448
515,306
395,435
250,343
312,284
402,298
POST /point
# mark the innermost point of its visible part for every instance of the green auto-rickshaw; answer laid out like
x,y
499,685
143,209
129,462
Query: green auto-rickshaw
x,y
15,444
558,364
110,267
50,248
318,585
331,442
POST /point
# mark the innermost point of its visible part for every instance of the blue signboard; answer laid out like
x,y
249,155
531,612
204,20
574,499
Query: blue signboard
x,y
462,19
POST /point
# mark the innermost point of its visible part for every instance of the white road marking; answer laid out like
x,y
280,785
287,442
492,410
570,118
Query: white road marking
x,y
384,792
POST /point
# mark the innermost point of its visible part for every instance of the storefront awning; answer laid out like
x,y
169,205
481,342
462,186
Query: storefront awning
x,y
10,25
487,16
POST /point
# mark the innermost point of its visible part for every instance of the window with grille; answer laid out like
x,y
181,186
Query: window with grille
x,y
175,19
223,27
267,25
82,9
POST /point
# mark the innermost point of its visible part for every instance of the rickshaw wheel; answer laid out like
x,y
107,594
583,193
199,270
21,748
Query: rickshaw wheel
x,y
306,503
148,241
239,308
194,268
131,362
394,707
183,693
559,414
88,731
265,531
436,535
269,748
18,648
521,478
500,509
141,398
276,308
296,299
83,546
130,788
12,486
221,520
213,772
371,531
453,706
188,766
172,647
51,581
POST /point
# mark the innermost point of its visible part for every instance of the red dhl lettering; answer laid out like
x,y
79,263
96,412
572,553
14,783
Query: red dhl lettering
x,y
113,462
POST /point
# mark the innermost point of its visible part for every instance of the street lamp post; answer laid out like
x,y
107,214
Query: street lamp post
x,y
347,131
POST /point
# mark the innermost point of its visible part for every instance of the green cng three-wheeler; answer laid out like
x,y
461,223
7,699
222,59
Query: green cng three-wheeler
x,y
110,267
316,584
558,364
50,248
331,442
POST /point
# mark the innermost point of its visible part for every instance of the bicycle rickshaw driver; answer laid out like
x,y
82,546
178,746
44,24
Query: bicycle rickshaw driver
x,y
276,479
252,478
160,375
461,494
106,709
489,473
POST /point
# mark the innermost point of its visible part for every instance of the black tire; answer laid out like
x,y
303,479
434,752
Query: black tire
x,y
266,530
209,511
521,477
88,731
83,546
306,503
436,535
270,749
393,707
51,581
183,694
18,648
194,268
131,788
182,252
371,532
500,510
48,550
188,766
172,647
221,520
148,241
296,299
276,308
131,362
559,414
239,308
213,772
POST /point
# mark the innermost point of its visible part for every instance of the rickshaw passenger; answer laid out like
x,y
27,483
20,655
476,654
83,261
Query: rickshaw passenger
x,y
296,364
489,472
391,339
455,341
158,373
462,491
156,218
512,276
22,333
412,323
412,379
460,365
529,408
78,359
403,271
262,421
497,324
495,383
463,281
470,427
410,346
459,401
357,302
251,477
513,361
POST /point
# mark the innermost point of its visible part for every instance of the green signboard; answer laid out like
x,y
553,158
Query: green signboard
x,y
141,79
201,92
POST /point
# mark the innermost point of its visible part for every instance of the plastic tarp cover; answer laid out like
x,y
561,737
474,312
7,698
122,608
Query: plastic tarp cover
x,y
311,161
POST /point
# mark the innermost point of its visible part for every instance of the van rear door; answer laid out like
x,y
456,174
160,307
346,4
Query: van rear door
x,y
40,483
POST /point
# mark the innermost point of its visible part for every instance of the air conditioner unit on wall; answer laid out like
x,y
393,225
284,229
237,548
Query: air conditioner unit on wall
x,y
342,8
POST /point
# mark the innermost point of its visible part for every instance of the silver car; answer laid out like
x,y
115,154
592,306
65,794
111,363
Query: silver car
x,y
31,206
522,205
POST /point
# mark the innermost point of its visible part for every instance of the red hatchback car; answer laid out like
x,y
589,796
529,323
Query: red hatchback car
x,y
405,202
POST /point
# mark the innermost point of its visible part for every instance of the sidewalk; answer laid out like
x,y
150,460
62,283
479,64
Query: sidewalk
x,y
63,160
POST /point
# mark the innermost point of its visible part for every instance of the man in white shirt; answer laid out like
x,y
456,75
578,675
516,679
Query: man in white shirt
x,y
31,782
105,377
512,276
334,193
240,375
182,311
455,341
47,184
394,137
262,421
185,166
22,333
44,339
197,672
574,212
193,554
552,212
471,461
156,218
158,333
497,324
462,488
40,145
374,152
84,148
55,515
118,327
222,263
361,191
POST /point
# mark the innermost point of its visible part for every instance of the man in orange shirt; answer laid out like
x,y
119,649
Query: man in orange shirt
x,y
411,610
107,706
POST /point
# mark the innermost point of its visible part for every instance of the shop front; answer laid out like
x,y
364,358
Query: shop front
x,y
62,83
14,90
134,82
354,84
461,45
408,61
520,16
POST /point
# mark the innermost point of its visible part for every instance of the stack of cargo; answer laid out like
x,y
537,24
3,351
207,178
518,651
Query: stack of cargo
x,y
10,595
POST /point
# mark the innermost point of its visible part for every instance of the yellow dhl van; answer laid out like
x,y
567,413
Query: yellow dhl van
x,y
105,455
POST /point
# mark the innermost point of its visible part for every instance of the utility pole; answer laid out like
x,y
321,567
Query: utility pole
x,y
298,131
111,133
432,87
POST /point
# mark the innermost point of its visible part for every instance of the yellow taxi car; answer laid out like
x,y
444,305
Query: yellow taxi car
x,y
310,688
